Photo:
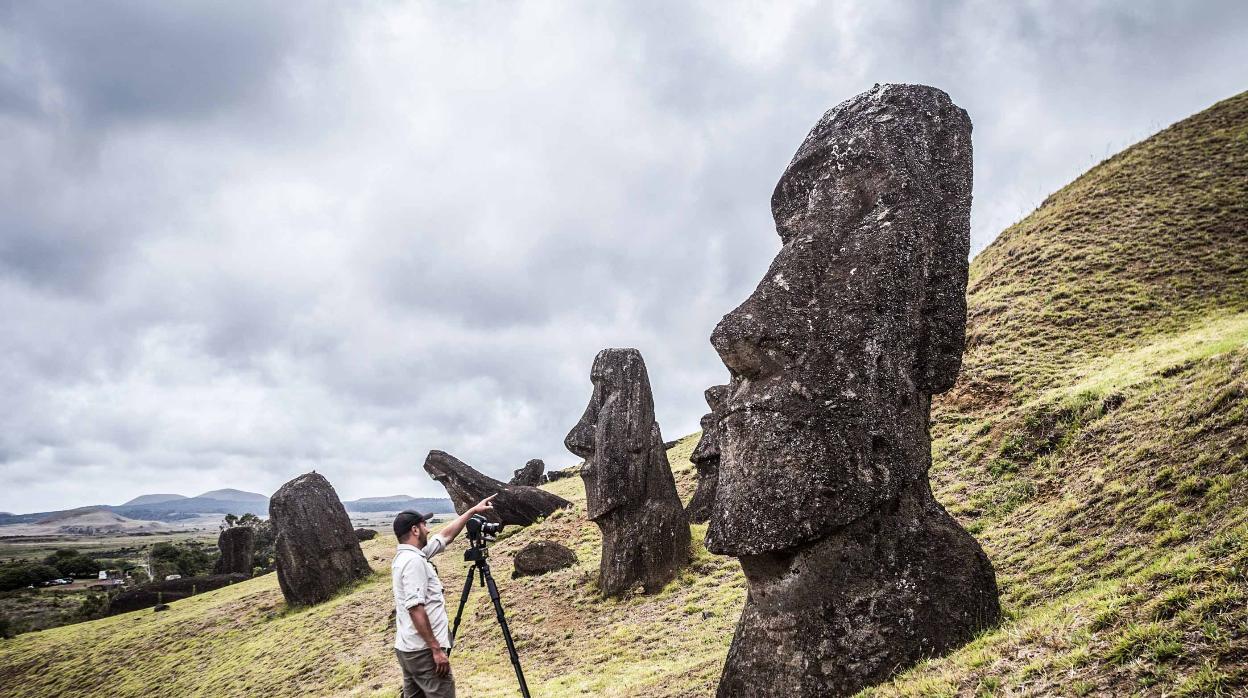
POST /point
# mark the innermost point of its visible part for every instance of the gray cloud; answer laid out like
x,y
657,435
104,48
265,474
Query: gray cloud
x,y
243,241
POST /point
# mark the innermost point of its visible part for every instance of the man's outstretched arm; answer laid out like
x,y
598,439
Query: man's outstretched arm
x,y
453,528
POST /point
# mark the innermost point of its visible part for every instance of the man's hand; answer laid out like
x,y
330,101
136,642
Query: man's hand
x,y
441,663
484,504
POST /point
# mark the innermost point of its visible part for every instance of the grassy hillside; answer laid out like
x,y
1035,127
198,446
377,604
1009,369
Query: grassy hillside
x,y
1095,444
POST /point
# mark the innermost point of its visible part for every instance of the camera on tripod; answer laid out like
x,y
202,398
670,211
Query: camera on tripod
x,y
481,530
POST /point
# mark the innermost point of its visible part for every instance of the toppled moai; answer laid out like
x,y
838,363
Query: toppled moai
x,y
530,475
705,456
629,489
316,548
238,546
854,570
515,505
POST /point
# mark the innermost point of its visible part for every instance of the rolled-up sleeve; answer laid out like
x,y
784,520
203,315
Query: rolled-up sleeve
x,y
415,582
435,545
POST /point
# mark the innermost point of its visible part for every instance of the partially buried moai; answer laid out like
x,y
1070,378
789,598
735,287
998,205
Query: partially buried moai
x,y
629,490
316,548
705,456
854,570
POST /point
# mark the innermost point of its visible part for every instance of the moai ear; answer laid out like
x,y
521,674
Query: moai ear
x,y
944,302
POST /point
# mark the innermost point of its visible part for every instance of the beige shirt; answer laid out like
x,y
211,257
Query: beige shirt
x,y
415,582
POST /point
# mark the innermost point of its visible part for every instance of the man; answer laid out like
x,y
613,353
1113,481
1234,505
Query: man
x,y
422,634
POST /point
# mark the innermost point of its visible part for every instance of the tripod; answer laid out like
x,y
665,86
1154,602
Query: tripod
x,y
477,556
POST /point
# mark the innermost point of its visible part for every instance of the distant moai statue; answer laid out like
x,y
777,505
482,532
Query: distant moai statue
x,y
705,456
316,548
629,489
854,570
238,548
530,475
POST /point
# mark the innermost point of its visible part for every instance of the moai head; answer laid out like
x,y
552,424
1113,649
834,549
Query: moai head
x,y
706,453
858,322
616,432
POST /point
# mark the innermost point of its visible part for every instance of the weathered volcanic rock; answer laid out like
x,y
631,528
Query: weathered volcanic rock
x,y
854,570
237,546
530,475
363,534
541,557
629,489
705,456
515,505
316,548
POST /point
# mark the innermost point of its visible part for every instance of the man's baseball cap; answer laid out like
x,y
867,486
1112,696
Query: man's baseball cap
x,y
404,521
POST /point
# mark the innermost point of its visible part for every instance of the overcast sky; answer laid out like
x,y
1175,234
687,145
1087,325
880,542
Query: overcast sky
x,y
240,241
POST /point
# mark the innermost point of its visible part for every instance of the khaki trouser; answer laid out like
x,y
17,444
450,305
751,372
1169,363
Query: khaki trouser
x,y
419,678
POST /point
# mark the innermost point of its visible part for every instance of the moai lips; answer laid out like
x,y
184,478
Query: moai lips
x,y
854,570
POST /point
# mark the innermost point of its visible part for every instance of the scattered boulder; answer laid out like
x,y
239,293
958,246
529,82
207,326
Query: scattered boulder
x,y
629,489
363,534
238,548
316,548
515,505
705,456
530,475
541,557
153,594
854,570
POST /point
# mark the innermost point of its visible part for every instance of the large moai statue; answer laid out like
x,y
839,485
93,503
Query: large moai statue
x,y
854,570
238,546
316,547
515,505
629,490
705,456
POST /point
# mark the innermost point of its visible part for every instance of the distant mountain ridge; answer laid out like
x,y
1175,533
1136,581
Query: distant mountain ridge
x,y
171,508
153,499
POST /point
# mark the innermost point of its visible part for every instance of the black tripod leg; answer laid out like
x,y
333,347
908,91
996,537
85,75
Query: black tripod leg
x,y
463,599
502,621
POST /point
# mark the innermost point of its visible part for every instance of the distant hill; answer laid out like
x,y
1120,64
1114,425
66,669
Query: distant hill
x,y
231,495
153,499
425,505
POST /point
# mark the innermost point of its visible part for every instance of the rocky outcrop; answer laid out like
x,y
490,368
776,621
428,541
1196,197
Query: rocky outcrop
x,y
238,547
316,548
542,557
515,505
854,570
555,475
629,490
705,456
530,475
363,534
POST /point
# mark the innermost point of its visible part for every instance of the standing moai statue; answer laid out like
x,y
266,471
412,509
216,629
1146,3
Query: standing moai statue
x,y
316,548
854,570
237,545
629,490
705,456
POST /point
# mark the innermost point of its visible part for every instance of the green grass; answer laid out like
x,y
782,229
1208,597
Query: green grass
x,y
1095,444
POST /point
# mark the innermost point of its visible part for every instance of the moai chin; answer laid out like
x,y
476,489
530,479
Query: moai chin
x,y
629,490
705,456
854,570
